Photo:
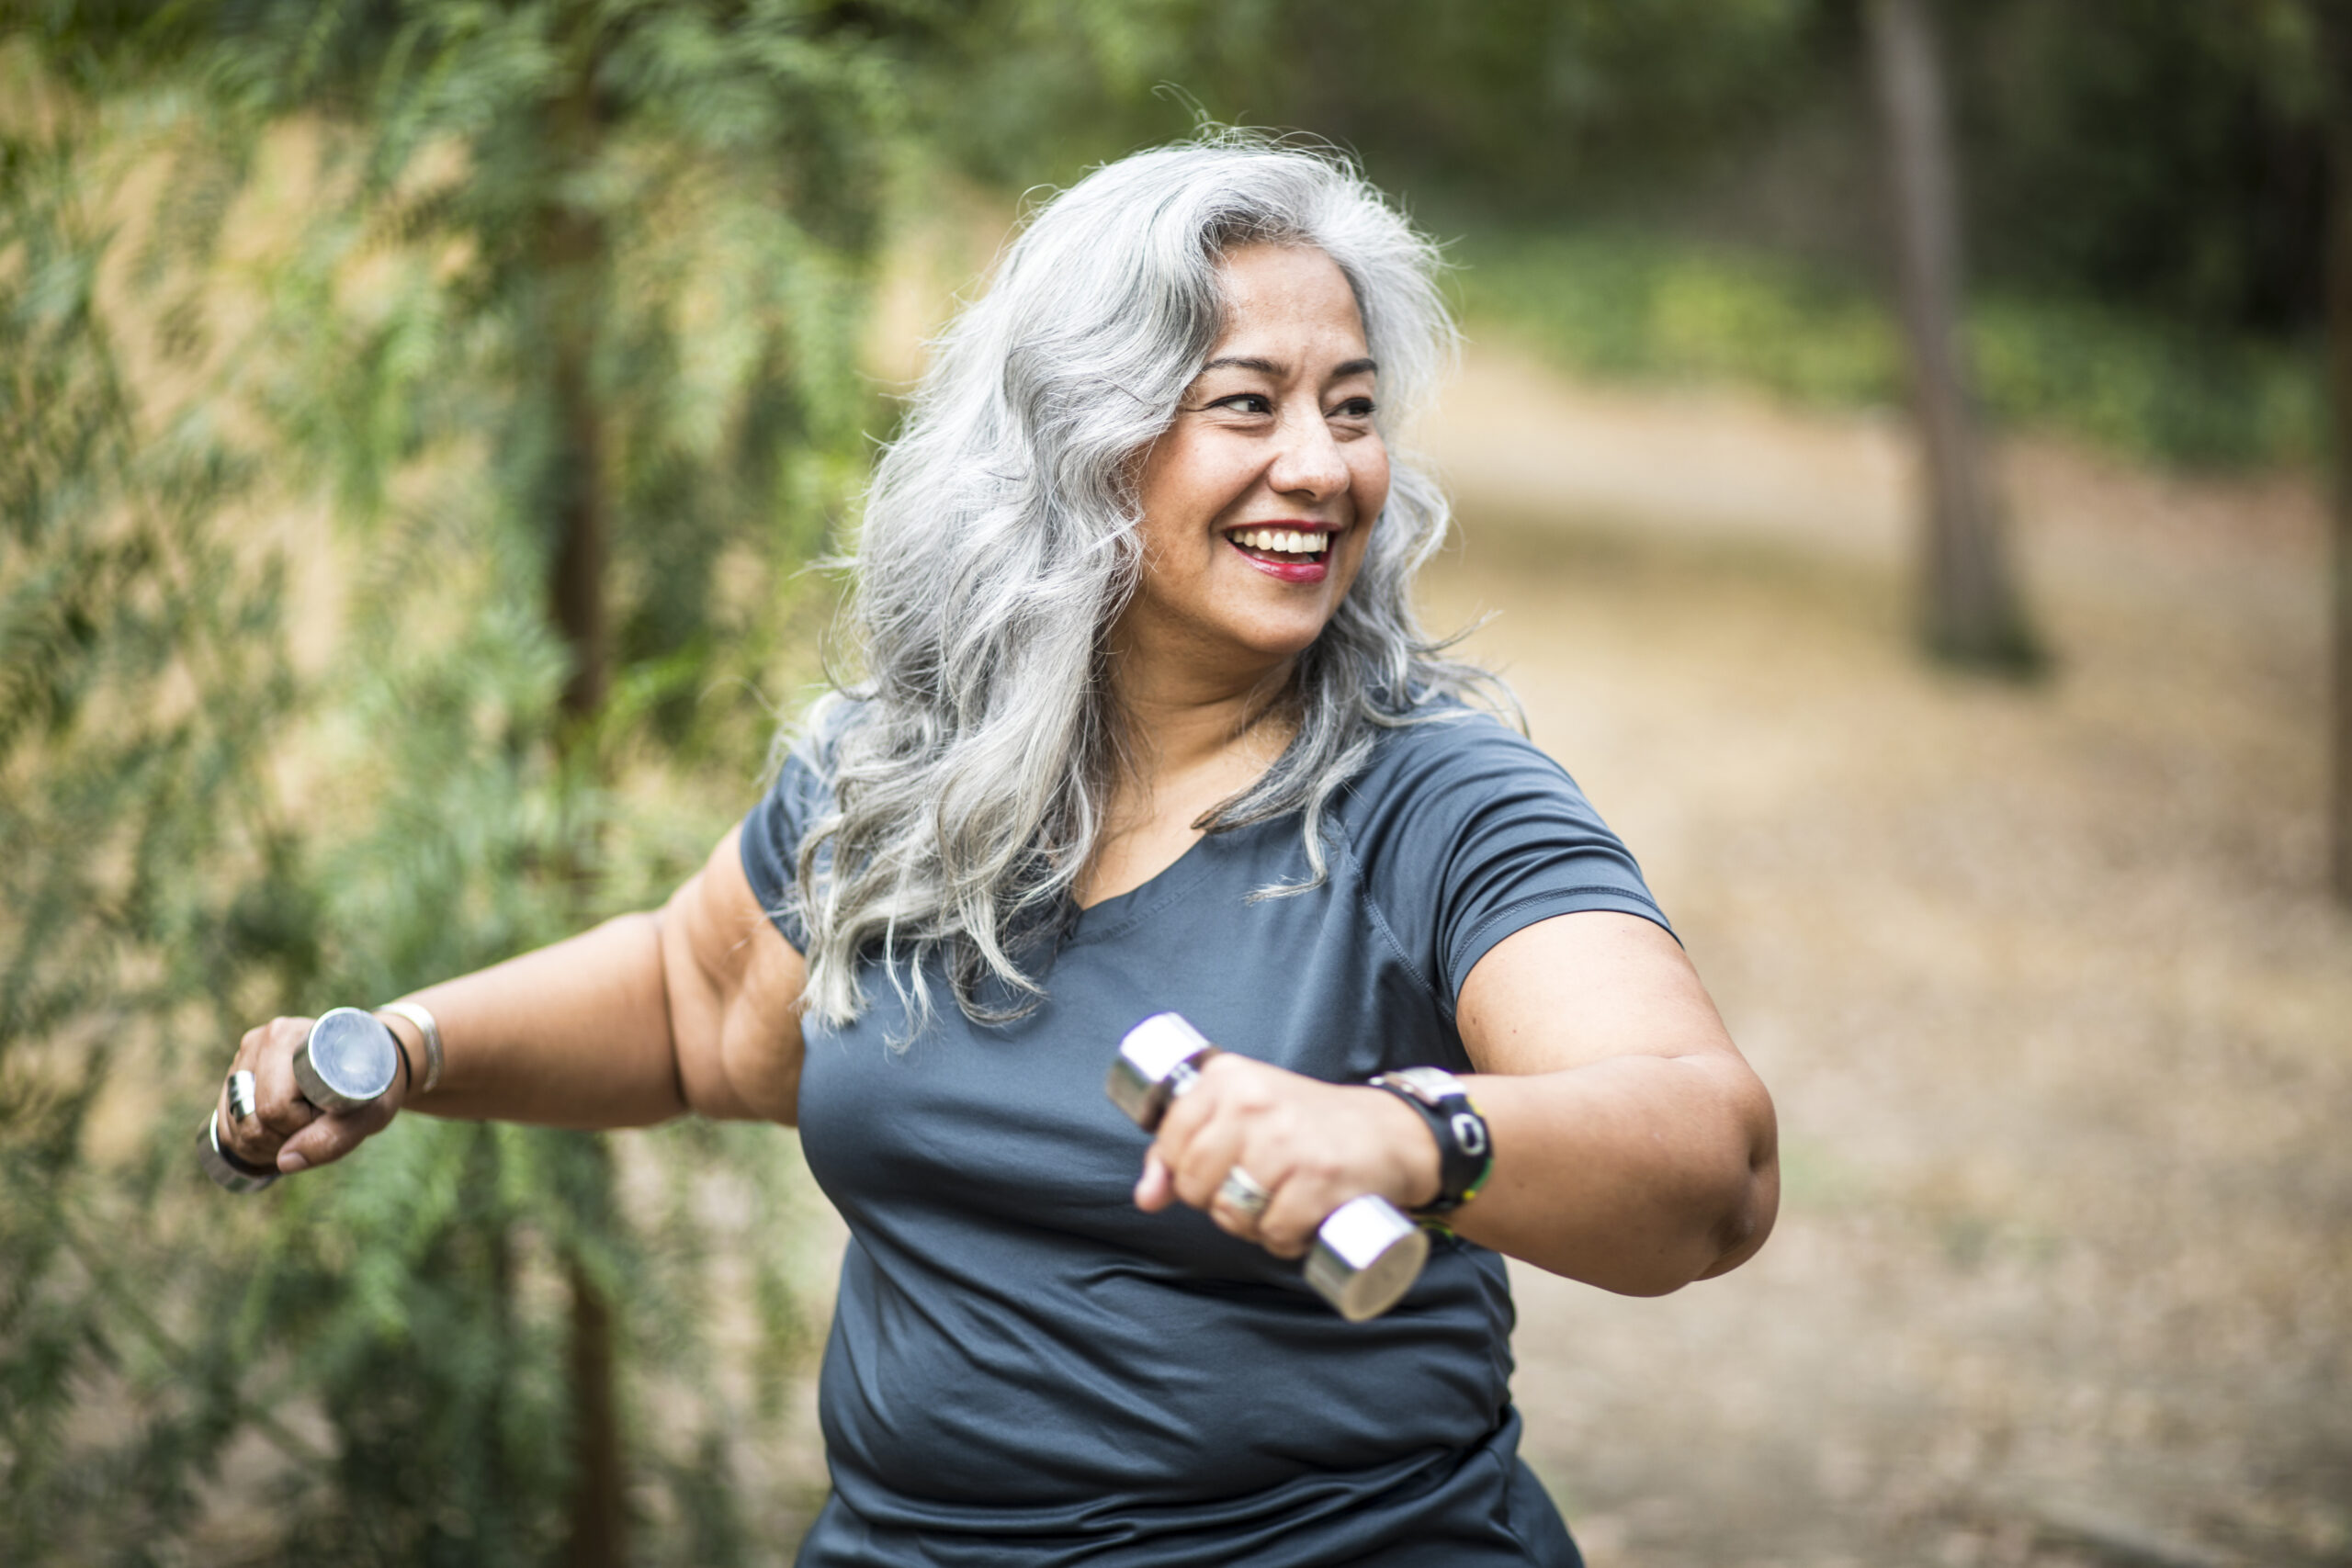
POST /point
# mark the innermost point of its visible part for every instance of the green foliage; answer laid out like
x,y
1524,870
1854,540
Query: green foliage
x,y
1669,188
1512,100
2167,157
111,583
313,322
1617,303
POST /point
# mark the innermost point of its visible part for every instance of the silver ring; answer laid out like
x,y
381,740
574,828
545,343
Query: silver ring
x,y
1244,1192
241,1095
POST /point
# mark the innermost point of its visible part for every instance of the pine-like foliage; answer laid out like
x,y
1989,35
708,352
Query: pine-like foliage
x,y
320,323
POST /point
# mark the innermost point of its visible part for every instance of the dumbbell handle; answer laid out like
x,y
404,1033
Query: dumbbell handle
x,y
347,1063
1367,1252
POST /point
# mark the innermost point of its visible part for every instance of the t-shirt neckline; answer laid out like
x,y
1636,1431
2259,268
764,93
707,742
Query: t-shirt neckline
x,y
1108,917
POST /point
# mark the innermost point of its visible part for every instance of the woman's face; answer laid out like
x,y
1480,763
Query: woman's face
x,y
1258,501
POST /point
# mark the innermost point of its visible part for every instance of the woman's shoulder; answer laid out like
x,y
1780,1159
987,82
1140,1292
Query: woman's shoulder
x,y
799,784
1443,747
1456,782
808,753
1465,831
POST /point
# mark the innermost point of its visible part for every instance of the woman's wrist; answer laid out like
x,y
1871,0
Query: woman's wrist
x,y
1466,1153
1412,1152
411,1041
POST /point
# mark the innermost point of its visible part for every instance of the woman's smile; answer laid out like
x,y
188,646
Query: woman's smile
x,y
1291,552
1258,498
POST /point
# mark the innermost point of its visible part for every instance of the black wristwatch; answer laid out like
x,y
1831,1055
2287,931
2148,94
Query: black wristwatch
x,y
1465,1152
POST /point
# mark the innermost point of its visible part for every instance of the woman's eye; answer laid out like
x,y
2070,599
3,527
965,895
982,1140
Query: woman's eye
x,y
1246,402
1355,408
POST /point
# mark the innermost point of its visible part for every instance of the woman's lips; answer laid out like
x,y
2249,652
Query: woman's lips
x,y
1283,564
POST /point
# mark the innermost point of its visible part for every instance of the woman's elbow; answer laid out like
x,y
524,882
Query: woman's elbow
x,y
1751,1200
1726,1223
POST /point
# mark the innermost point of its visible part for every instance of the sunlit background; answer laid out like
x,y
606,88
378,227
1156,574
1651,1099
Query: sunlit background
x,y
420,426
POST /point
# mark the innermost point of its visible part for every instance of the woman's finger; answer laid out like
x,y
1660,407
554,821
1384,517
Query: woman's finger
x,y
1155,1189
1287,1227
240,1131
329,1138
1189,1113
278,1099
1191,1106
1240,1201
1199,1166
239,1125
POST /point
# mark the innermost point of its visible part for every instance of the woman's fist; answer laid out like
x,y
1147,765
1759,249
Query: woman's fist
x,y
1309,1145
283,1131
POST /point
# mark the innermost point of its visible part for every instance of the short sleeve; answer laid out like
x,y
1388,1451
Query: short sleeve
x,y
1467,833
771,842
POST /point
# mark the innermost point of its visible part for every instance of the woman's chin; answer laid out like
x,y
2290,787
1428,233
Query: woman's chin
x,y
1272,645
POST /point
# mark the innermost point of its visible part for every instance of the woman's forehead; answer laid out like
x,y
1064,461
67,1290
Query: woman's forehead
x,y
1284,304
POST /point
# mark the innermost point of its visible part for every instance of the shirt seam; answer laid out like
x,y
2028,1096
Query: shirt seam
x,y
1380,917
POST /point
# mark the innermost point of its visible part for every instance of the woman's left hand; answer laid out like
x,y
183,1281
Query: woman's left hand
x,y
1311,1146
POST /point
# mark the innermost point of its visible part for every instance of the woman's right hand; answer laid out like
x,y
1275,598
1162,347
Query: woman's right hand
x,y
286,1132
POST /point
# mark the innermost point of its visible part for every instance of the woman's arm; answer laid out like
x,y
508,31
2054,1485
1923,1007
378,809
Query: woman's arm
x,y
693,1007
1635,1149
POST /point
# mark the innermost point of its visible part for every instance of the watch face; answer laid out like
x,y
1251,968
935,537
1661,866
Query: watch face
x,y
1428,1085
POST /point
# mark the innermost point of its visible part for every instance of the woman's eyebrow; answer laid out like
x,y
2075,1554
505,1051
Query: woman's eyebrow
x,y
1268,367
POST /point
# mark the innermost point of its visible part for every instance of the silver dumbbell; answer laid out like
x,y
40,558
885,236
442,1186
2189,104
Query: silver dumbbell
x,y
1366,1253
347,1061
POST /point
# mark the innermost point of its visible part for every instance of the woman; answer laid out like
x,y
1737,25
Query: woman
x,y
1146,725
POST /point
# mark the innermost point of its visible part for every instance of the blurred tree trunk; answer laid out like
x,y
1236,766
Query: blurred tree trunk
x,y
571,250
1971,611
2335,36
573,260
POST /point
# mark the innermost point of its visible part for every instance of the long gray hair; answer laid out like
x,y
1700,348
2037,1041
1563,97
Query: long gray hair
x,y
972,764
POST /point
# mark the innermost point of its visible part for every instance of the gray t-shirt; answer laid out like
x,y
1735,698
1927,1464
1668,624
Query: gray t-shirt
x,y
1024,1366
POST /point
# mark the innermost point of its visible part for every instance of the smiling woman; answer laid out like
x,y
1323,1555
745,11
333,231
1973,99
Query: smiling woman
x,y
1146,725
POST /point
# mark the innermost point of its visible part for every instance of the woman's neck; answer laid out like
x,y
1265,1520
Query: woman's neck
x,y
1187,743
1175,723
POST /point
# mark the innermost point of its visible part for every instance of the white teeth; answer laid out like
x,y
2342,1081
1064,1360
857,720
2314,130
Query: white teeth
x,y
1280,541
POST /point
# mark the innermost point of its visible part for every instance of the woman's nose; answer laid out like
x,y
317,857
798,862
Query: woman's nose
x,y
1309,462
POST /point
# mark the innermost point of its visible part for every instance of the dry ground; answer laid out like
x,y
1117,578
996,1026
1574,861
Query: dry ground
x,y
2044,977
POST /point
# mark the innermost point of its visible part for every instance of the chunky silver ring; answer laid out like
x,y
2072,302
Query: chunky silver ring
x,y
1244,1192
241,1095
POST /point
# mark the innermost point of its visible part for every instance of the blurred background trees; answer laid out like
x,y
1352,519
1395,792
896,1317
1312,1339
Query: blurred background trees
x,y
415,416
546,316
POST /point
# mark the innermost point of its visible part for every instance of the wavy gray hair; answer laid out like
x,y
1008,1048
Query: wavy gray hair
x,y
971,765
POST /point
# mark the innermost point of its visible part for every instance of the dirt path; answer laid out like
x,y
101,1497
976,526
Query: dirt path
x,y
2058,1017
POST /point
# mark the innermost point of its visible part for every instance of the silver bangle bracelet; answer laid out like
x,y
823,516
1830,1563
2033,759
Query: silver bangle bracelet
x,y
432,1032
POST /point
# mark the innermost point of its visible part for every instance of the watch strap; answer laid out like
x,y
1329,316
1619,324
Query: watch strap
x,y
1466,1148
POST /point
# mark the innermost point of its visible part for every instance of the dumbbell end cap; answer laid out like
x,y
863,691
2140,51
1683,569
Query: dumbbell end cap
x,y
1366,1255
1142,1075
349,1060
